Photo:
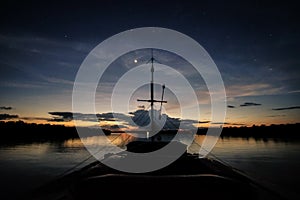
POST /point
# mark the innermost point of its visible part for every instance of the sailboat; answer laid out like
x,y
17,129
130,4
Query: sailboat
x,y
158,127
188,176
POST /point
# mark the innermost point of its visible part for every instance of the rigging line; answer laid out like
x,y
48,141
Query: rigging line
x,y
145,116
214,156
142,121
255,180
125,141
153,59
162,98
217,158
141,115
83,161
173,124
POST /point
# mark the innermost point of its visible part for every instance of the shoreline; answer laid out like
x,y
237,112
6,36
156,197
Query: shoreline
x,y
28,133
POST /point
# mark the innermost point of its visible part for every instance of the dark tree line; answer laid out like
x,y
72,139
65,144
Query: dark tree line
x,y
281,131
21,131
31,132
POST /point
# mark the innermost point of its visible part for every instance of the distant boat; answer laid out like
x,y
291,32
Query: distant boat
x,y
187,177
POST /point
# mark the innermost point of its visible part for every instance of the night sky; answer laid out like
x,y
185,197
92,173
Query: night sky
x,y
255,45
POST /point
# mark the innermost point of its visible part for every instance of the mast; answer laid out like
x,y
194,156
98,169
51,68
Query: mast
x,y
152,92
152,100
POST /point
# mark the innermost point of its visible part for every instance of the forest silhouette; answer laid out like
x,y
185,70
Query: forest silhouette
x,y
20,131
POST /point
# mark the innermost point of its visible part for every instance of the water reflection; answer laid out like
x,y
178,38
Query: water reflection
x,y
119,140
224,144
40,162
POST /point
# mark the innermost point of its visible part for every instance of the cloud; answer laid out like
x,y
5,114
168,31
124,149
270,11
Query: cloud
x,y
276,116
58,120
229,106
227,123
5,108
114,127
69,116
61,116
253,89
8,116
203,122
109,116
119,120
57,80
35,118
235,124
294,91
141,107
22,85
41,45
250,104
287,108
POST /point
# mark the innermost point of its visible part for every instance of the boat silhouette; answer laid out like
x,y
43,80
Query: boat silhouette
x,y
189,176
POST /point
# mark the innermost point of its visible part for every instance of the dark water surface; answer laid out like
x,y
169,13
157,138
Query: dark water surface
x,y
24,167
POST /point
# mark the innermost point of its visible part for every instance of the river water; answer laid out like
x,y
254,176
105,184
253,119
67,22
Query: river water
x,y
23,167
